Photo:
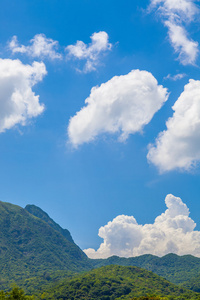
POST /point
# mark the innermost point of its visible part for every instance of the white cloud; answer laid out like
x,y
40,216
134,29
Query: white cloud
x,y
179,145
175,77
172,232
40,47
124,105
90,53
18,102
187,49
181,10
45,48
176,14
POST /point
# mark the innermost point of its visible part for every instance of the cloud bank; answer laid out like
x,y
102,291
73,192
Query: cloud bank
x,y
40,47
90,53
172,232
18,102
178,147
176,14
124,105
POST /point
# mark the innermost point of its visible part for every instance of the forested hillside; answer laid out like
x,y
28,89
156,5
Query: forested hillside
x,y
117,282
29,247
38,212
40,256
176,269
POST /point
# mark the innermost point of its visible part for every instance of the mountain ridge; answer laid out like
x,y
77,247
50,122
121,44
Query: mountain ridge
x,y
39,213
33,246
29,246
117,282
177,269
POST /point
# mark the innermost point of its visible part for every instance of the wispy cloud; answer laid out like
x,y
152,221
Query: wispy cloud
x,y
172,232
90,53
187,49
175,77
18,103
124,105
176,14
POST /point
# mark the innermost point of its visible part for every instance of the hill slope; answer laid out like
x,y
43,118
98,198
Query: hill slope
x,y
116,282
29,246
176,269
193,284
38,212
36,250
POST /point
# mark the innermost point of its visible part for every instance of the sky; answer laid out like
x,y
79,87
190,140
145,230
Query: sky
x,y
100,120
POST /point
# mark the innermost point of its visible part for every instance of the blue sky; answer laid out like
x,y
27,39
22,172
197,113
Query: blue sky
x,y
90,167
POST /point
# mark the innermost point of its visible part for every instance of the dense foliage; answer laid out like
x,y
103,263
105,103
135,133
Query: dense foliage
x,y
176,269
38,212
15,293
117,282
30,247
39,256
193,284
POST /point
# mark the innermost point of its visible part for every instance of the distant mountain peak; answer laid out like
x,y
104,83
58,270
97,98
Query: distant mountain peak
x,y
39,213
31,243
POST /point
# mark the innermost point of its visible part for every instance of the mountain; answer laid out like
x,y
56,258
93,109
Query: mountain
x,y
38,212
117,282
29,246
176,269
35,252
193,284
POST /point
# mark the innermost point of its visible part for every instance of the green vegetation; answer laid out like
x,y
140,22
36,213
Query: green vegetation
x,y
42,258
150,298
193,284
117,282
176,269
29,247
15,293
38,212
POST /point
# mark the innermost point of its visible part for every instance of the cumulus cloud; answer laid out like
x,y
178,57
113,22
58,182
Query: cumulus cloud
x,y
40,47
176,14
46,48
90,53
18,102
172,232
179,145
124,105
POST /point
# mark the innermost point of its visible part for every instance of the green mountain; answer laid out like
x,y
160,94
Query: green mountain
x,y
30,246
38,212
176,269
193,284
117,282
36,253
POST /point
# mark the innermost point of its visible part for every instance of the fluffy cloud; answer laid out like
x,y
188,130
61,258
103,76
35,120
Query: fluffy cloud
x,y
45,48
172,232
124,105
175,14
90,53
179,145
18,102
40,47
